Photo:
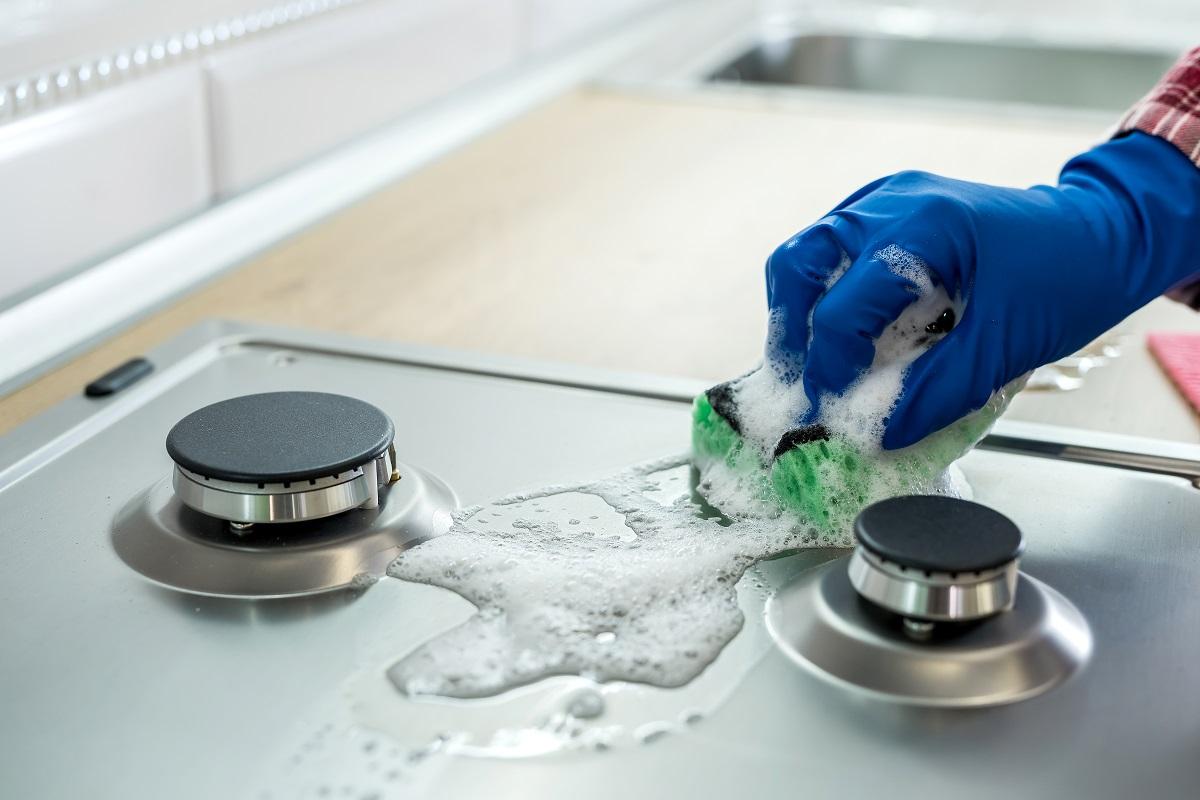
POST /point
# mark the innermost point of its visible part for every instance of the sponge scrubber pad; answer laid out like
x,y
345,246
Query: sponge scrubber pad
x,y
822,483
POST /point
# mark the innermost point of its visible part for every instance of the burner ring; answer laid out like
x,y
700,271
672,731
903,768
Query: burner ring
x,y
283,502
821,623
182,549
936,559
282,457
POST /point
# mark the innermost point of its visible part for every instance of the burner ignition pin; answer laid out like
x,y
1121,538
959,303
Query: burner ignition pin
x,y
919,630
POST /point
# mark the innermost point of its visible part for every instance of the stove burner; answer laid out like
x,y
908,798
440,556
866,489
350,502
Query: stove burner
x,y
936,559
927,611
282,457
182,549
314,466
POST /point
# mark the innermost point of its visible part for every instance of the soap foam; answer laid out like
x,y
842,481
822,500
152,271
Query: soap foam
x,y
769,403
643,589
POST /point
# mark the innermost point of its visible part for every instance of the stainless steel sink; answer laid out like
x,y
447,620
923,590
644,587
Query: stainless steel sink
x,y
1074,77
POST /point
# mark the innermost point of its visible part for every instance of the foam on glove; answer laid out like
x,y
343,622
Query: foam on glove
x,y
765,450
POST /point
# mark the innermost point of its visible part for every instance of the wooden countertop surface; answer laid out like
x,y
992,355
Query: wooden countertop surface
x,y
628,231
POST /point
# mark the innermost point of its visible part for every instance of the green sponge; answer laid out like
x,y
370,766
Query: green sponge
x,y
824,483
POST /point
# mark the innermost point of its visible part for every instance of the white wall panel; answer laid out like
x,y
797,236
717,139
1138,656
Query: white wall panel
x,y
36,35
98,173
549,23
287,97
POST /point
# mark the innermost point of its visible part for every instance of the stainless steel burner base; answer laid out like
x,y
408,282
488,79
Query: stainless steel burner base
x,y
821,623
295,501
933,596
180,548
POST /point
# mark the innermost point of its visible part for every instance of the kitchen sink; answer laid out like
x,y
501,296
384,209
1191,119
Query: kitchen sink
x,y
985,70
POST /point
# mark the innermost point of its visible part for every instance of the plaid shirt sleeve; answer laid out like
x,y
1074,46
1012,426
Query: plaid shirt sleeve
x,y
1171,111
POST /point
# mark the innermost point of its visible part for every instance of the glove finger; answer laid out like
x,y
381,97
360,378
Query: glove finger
x,y
797,274
957,376
848,319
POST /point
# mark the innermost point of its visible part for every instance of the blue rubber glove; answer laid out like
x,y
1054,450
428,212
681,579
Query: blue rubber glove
x,y
1041,272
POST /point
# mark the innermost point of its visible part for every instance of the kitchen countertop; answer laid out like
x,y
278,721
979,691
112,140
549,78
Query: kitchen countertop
x,y
627,230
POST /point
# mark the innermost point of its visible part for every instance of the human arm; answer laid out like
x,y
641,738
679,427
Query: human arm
x,y
1037,272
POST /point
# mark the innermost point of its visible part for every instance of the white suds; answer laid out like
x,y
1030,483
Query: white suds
x,y
643,591
769,404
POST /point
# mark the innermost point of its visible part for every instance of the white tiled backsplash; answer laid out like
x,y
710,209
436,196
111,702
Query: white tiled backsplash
x,y
118,117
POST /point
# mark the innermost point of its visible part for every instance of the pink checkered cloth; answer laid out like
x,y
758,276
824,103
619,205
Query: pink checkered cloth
x,y
1171,111
1179,356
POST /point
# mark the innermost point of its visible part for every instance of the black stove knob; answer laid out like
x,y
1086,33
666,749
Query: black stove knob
x,y
936,559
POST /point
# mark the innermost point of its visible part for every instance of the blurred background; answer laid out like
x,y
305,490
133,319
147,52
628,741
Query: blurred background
x,y
120,117
596,182
123,116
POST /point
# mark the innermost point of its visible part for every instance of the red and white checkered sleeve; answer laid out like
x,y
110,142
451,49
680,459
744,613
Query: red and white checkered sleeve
x,y
1171,110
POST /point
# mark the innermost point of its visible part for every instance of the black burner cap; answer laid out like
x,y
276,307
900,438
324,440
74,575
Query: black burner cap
x,y
942,534
279,437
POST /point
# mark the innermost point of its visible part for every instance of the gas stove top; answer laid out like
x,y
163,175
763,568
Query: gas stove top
x,y
197,620
259,478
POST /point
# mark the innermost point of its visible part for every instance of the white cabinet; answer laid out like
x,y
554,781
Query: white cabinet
x,y
95,174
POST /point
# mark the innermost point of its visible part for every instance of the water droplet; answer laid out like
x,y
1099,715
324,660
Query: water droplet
x,y
651,732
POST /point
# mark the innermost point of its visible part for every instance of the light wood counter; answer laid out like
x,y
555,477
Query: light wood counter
x,y
626,231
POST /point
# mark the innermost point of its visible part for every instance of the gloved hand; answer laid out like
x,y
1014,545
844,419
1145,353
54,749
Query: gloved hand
x,y
1041,272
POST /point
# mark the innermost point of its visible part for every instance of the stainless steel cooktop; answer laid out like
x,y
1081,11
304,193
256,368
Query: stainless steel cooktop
x,y
117,681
